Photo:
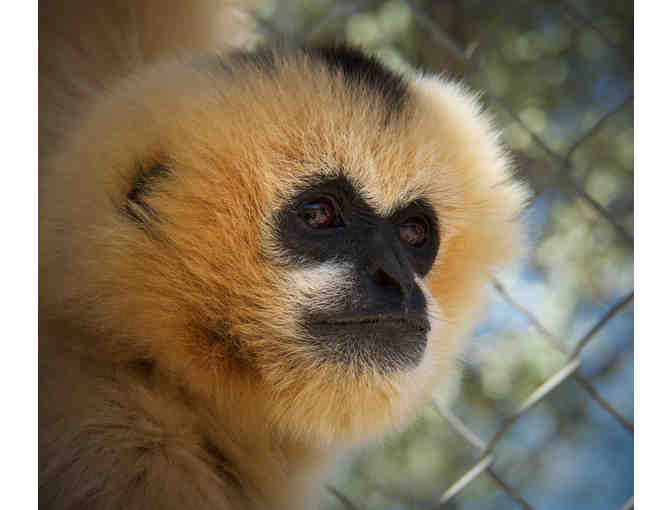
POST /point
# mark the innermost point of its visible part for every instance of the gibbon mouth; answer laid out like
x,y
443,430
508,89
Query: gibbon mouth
x,y
391,342
413,321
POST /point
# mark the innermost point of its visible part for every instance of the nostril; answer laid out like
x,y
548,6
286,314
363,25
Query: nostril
x,y
385,280
388,282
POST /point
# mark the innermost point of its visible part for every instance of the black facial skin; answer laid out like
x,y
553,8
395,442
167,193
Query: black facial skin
x,y
383,322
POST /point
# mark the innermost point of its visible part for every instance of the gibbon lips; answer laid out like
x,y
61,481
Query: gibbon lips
x,y
390,342
413,320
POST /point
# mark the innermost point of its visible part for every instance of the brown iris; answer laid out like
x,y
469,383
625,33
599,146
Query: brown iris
x,y
414,231
321,213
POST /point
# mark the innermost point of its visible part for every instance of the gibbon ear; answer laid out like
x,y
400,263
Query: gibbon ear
x,y
136,206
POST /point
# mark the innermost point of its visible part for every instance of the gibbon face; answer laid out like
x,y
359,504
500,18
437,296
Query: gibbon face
x,y
302,229
378,318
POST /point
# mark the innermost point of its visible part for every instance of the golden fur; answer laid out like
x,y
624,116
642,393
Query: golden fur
x,y
139,406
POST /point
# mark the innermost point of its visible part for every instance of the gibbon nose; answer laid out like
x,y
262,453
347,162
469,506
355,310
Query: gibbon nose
x,y
390,272
390,279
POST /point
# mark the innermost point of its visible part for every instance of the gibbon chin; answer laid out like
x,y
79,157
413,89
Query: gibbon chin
x,y
249,260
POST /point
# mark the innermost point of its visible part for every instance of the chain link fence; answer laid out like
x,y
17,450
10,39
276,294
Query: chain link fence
x,y
548,380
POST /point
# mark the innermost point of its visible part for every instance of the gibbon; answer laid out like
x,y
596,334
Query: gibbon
x,y
250,260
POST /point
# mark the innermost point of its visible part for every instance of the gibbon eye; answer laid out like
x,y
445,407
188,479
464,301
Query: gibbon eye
x,y
414,231
321,213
